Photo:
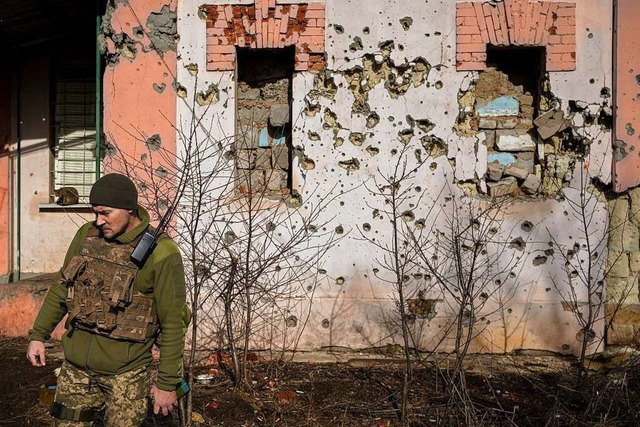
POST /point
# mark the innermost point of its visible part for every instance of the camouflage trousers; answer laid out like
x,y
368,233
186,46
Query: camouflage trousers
x,y
124,396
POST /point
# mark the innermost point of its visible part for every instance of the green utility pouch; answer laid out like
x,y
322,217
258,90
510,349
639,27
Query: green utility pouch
x,y
61,412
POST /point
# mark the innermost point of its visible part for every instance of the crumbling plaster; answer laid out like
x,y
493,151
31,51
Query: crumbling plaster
x,y
351,307
139,42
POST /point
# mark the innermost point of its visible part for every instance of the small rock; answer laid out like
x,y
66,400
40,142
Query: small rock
x,y
517,171
494,171
503,187
531,184
279,115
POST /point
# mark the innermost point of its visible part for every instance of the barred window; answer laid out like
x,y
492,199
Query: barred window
x,y
75,147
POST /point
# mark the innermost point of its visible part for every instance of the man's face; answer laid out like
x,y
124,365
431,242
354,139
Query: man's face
x,y
113,221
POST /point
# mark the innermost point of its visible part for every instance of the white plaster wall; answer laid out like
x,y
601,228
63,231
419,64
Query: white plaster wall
x,y
44,236
528,312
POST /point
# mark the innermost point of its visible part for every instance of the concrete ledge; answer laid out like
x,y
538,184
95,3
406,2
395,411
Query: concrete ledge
x,y
20,302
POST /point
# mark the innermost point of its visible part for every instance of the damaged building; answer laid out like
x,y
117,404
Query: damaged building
x,y
327,110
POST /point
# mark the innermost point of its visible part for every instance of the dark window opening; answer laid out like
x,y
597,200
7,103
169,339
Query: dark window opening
x,y
524,66
509,97
263,148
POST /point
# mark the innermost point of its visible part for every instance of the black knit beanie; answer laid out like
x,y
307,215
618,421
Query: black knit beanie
x,y
114,190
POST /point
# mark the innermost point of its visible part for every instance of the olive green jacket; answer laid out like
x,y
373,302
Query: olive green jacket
x,y
161,276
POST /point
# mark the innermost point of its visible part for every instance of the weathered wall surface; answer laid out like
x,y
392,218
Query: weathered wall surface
x,y
627,162
5,142
391,82
624,207
44,236
139,43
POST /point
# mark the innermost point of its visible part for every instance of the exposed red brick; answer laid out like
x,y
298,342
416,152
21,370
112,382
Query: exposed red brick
x,y
516,13
315,6
263,5
258,11
555,39
265,34
221,49
293,38
301,66
212,13
510,22
315,13
569,39
228,12
276,29
221,23
270,33
468,30
466,11
489,22
480,47
284,23
544,10
316,62
484,34
471,66
504,26
477,7
548,24
533,24
302,12
302,57
463,56
566,30
215,32
245,23
561,48
495,19
272,4
568,9
293,11
468,38
477,56
312,31
221,66
565,22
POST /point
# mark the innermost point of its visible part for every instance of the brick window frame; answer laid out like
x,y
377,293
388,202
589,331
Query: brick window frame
x,y
266,25
516,23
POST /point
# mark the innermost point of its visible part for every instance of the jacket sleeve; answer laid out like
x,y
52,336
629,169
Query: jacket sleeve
x,y
54,307
170,298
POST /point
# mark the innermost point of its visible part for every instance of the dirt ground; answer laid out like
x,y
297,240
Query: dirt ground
x,y
513,390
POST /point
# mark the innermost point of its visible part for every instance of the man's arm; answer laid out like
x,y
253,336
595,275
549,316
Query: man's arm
x,y
170,298
54,307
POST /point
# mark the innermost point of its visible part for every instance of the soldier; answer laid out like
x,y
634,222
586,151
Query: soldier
x,y
115,311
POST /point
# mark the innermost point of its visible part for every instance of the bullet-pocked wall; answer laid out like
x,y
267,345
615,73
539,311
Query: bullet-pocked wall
x,y
387,85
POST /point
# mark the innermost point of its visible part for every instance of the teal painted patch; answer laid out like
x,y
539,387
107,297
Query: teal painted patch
x,y
263,138
504,159
279,138
503,106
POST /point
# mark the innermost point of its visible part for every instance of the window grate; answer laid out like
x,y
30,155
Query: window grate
x,y
75,142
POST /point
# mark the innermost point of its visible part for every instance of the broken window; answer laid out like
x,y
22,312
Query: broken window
x,y
75,147
507,101
263,121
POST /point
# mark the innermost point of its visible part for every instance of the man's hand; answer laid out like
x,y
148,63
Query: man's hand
x,y
35,353
163,401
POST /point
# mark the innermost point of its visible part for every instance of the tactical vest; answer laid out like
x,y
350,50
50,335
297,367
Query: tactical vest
x,y
101,295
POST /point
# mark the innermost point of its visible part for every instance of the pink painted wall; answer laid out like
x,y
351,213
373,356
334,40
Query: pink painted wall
x,y
5,140
627,94
134,107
